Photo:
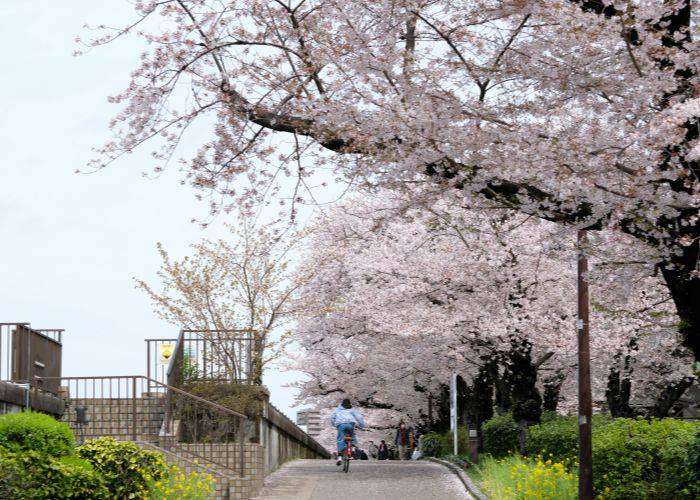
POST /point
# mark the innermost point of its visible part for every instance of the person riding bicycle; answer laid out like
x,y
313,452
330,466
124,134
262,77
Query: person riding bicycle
x,y
345,418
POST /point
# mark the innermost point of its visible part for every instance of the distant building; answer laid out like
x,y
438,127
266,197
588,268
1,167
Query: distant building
x,y
310,420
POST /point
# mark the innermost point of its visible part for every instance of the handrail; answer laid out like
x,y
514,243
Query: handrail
x,y
178,347
199,354
152,381
127,406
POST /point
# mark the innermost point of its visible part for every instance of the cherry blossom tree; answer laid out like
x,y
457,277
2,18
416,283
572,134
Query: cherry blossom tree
x,y
408,291
580,112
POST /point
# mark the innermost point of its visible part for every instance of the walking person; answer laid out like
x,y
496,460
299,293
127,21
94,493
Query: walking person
x,y
383,451
345,418
403,441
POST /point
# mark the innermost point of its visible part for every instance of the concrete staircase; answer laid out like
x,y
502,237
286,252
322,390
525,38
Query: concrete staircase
x,y
222,478
193,433
134,419
143,420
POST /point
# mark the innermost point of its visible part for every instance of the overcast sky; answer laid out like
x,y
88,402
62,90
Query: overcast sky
x,y
70,244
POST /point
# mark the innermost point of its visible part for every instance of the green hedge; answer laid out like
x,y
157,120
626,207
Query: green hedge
x,y
35,431
559,436
691,466
125,467
500,436
644,459
632,458
32,475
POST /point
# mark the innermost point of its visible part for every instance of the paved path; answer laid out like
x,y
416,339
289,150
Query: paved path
x,y
367,480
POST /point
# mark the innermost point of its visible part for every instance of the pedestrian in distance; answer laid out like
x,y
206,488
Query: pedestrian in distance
x,y
404,441
383,451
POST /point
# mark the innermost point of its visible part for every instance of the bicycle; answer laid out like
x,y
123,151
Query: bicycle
x,y
347,452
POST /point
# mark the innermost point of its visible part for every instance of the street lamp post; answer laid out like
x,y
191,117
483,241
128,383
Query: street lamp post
x,y
585,403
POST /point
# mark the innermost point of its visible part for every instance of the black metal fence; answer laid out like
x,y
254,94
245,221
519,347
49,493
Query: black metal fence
x,y
224,355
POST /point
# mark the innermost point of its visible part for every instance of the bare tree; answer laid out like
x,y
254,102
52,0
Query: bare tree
x,y
246,285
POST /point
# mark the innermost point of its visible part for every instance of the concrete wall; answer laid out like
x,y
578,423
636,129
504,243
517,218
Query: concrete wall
x,y
283,440
13,398
253,464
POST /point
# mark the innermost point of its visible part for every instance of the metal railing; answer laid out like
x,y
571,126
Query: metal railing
x,y
138,408
27,352
224,355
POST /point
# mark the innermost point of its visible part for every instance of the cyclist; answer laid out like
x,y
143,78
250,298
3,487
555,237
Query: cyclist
x,y
345,418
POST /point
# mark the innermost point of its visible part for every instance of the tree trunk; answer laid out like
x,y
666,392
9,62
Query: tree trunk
x,y
522,378
442,409
685,291
669,396
257,362
618,395
552,389
522,436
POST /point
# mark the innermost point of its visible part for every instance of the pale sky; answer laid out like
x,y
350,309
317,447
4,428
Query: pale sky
x,y
70,244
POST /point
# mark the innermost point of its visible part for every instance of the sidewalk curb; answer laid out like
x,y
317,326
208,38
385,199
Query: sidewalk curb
x,y
466,480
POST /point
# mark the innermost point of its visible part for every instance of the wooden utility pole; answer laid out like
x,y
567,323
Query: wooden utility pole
x,y
454,425
585,403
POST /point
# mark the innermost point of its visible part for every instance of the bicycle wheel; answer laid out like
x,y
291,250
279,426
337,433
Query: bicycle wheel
x,y
346,464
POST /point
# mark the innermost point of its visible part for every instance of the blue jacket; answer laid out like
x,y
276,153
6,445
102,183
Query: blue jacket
x,y
346,416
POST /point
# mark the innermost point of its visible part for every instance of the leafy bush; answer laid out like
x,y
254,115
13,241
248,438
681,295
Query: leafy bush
x,y
548,416
447,441
515,477
430,444
246,399
29,474
36,431
500,435
691,469
433,444
177,485
643,459
559,436
126,468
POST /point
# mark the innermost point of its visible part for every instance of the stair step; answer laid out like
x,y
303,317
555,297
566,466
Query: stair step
x,y
224,480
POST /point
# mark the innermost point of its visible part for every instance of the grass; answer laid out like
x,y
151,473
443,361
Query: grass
x,y
518,478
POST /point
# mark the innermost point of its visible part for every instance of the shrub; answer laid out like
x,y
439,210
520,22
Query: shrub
x,y
36,431
691,468
643,459
430,444
548,416
559,436
247,399
500,435
515,477
29,474
177,485
125,467
447,441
